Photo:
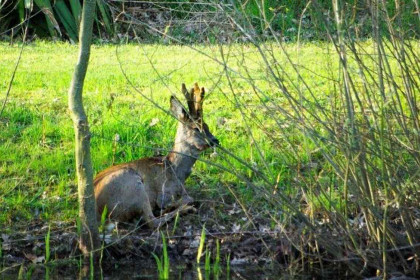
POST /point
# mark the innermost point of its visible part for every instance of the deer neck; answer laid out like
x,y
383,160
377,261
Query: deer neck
x,y
182,157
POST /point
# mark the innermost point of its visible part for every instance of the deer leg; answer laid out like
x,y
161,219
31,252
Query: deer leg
x,y
154,222
147,213
169,216
145,208
185,200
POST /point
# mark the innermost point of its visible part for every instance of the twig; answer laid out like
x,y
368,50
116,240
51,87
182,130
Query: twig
x,y
16,66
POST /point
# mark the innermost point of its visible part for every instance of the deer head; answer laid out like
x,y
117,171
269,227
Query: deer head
x,y
192,130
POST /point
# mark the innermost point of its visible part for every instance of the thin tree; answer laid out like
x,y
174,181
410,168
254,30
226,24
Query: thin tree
x,y
89,239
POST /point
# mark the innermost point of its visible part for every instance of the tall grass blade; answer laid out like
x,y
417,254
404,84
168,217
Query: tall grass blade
x,y
199,273
175,223
21,272
216,264
30,271
207,265
47,273
228,266
103,219
91,267
201,246
159,266
47,245
165,264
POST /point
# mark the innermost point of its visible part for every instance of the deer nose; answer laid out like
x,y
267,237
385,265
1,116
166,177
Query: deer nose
x,y
214,142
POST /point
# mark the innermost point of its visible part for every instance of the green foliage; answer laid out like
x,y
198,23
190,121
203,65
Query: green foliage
x,y
228,266
102,229
216,264
291,19
106,17
159,266
91,265
307,161
21,273
37,136
78,226
287,18
175,222
47,245
207,264
76,10
52,24
201,245
30,271
61,18
163,263
67,19
103,219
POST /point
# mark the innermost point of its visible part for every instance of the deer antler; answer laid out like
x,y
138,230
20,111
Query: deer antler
x,y
198,100
194,100
190,100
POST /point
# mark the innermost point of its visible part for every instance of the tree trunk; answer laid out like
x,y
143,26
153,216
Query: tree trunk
x,y
89,239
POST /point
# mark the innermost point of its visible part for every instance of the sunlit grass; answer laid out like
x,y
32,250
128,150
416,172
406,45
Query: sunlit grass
x,y
36,140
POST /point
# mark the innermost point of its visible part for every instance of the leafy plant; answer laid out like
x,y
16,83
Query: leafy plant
x,y
67,19
163,262
62,18
52,24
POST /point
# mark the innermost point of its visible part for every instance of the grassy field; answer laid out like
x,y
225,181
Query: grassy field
x,y
36,156
292,148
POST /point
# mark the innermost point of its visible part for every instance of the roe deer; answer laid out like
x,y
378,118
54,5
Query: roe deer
x,y
137,188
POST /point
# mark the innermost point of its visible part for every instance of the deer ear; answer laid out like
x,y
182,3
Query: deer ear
x,y
177,109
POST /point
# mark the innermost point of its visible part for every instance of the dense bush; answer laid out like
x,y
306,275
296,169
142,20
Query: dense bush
x,y
185,19
50,19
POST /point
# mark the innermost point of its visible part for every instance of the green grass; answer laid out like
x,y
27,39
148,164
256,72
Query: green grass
x,y
36,151
37,177
162,263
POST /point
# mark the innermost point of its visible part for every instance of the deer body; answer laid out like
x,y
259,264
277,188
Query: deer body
x,y
137,188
